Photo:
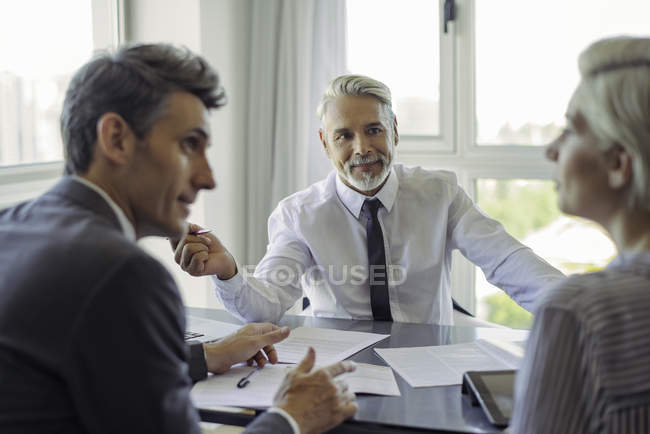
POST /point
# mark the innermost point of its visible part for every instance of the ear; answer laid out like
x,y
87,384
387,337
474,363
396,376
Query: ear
x,y
619,163
395,133
321,135
115,140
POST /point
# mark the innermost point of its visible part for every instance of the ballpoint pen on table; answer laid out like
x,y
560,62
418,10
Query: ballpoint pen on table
x,y
245,380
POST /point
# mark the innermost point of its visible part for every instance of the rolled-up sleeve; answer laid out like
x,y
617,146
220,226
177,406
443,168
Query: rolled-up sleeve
x,y
275,285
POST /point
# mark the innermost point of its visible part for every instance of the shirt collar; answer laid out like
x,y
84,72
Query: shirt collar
x,y
127,226
353,200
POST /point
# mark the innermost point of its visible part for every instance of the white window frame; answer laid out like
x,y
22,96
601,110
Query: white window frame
x,y
456,148
26,181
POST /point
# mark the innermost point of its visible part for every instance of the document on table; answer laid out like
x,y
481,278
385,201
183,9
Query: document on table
x,y
331,345
222,390
444,365
207,330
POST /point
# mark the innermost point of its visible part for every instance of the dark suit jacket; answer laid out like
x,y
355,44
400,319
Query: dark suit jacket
x,y
91,326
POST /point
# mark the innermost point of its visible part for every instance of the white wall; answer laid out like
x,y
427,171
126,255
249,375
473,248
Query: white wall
x,y
217,29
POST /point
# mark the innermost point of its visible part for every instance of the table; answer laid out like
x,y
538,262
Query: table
x,y
435,409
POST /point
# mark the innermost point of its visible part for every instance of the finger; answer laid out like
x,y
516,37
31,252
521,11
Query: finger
x,y
261,328
340,368
271,354
273,337
178,252
189,251
193,227
307,363
197,263
349,409
342,386
260,359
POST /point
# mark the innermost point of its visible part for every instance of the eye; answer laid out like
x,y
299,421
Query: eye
x,y
192,143
374,131
343,136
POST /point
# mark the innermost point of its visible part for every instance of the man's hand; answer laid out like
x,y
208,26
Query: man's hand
x,y
315,399
252,343
202,255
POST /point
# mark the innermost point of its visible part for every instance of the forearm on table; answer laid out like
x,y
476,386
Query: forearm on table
x,y
267,295
524,276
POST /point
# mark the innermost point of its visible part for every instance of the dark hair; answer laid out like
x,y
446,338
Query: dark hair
x,y
134,82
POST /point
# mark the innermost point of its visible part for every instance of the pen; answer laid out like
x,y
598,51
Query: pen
x,y
244,381
199,232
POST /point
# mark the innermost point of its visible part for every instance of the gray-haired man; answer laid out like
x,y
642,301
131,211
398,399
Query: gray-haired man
x,y
372,240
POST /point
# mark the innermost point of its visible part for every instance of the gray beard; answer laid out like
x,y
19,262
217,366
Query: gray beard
x,y
368,181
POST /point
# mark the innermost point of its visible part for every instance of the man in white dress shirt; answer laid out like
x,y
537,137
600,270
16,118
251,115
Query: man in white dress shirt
x,y
372,240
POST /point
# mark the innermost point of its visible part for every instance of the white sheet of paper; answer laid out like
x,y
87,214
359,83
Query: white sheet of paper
x,y
444,365
331,345
209,329
373,379
222,390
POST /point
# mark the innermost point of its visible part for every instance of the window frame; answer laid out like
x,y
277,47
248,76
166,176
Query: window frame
x,y
456,149
25,181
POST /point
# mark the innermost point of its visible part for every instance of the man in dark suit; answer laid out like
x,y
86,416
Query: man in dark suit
x,y
91,326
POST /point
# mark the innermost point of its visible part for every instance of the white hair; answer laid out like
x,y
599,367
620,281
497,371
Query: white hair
x,y
614,98
356,85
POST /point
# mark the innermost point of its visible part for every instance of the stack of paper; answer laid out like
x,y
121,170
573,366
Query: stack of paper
x,y
331,345
222,390
444,365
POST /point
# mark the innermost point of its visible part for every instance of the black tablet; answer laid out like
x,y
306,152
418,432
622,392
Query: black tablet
x,y
493,391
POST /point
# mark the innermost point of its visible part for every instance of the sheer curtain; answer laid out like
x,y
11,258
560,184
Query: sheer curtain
x,y
297,47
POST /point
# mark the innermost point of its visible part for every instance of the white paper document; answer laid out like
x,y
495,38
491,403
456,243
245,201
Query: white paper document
x,y
207,330
222,390
444,365
331,345
372,379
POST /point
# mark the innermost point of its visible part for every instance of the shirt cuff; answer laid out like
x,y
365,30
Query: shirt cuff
x,y
287,416
229,289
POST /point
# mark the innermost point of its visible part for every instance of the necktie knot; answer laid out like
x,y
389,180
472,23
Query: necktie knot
x,y
371,206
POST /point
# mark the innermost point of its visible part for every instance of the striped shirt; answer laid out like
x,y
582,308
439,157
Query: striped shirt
x,y
587,365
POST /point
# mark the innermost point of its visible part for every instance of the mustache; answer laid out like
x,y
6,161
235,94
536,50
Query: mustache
x,y
365,159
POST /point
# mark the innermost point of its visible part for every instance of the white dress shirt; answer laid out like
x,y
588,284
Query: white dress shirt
x,y
317,243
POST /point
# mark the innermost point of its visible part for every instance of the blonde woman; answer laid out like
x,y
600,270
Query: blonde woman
x,y
587,367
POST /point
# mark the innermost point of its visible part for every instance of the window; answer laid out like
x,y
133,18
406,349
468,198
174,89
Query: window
x,y
382,37
528,210
43,43
504,73
34,74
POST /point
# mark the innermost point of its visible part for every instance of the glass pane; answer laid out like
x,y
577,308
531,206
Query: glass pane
x,y
398,44
528,210
526,61
42,43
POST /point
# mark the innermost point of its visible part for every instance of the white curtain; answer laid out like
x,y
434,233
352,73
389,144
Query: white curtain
x,y
297,47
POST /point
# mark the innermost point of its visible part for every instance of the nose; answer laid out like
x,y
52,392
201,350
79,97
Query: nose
x,y
203,178
553,150
361,145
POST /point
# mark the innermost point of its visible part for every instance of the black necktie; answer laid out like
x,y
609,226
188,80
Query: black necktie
x,y
377,272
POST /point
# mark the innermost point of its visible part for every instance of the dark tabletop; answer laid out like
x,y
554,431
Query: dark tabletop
x,y
439,409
